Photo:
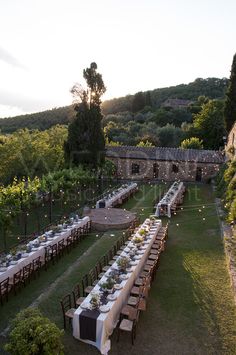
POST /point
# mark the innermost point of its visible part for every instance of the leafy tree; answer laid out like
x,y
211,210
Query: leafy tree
x,y
26,153
192,143
86,143
230,101
145,144
138,102
209,124
34,334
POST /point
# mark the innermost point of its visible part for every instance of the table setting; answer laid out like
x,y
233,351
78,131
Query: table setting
x,y
173,195
107,298
116,196
22,255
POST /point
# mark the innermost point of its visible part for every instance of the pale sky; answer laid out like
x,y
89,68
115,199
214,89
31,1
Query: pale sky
x,y
138,45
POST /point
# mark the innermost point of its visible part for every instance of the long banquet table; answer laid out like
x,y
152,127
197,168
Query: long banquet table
x,y
106,322
172,196
113,200
12,269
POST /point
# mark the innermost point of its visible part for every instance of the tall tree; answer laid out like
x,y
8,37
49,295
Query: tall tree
x,y
209,124
86,144
230,101
138,102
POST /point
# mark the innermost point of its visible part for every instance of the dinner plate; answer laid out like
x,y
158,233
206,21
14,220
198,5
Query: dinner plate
x,y
2,269
133,263
104,309
124,277
140,252
137,257
24,255
13,262
111,297
85,305
34,249
43,243
118,286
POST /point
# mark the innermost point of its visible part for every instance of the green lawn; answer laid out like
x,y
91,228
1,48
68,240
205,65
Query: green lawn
x,y
190,308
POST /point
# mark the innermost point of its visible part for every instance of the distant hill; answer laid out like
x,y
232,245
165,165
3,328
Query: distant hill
x,y
210,87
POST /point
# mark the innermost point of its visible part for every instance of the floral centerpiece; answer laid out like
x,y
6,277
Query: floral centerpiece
x,y
123,263
13,252
108,285
138,240
95,300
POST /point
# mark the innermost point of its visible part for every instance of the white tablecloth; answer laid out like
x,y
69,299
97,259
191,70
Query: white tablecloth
x,y
170,198
12,269
106,322
110,201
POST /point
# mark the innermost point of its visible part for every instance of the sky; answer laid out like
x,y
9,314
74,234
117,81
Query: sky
x,y
138,45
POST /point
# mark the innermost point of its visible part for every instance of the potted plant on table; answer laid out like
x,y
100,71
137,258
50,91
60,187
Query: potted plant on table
x,y
95,300
123,263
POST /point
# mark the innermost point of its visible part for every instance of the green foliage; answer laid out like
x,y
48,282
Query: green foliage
x,y
230,101
192,143
66,179
86,144
32,333
226,188
210,87
26,153
138,102
209,124
40,120
145,144
108,168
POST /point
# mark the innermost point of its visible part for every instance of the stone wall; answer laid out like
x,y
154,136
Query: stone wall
x,y
165,170
231,143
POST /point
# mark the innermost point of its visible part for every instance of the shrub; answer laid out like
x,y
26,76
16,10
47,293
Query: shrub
x,y
32,333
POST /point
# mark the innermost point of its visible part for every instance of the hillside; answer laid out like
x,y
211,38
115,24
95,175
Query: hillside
x,y
210,87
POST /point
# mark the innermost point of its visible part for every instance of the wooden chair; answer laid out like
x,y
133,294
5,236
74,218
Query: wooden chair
x,y
17,281
54,253
77,296
132,300
93,276
67,310
77,235
36,266
69,243
86,285
129,325
61,247
47,256
4,290
26,273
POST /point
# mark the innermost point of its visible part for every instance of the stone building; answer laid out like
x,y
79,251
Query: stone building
x,y
167,164
231,142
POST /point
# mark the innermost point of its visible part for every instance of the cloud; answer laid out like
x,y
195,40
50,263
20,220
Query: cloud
x,y
8,111
8,58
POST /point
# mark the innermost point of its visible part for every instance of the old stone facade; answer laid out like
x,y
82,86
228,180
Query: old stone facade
x,y
231,142
168,164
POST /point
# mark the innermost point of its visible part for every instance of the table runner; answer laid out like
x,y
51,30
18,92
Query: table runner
x,y
88,324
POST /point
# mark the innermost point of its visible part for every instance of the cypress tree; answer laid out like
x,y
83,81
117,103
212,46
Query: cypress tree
x,y
86,144
230,101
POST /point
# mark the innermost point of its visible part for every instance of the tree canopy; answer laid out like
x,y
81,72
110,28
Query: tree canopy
x,y
230,101
86,144
192,143
209,124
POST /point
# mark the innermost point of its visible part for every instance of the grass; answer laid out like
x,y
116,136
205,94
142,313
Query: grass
x,y
190,308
